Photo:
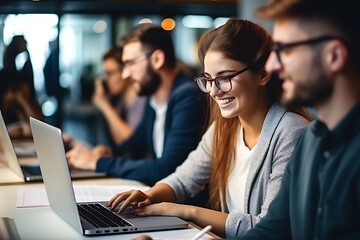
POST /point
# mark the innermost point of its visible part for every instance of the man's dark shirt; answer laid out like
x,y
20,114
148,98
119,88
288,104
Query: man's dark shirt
x,y
320,193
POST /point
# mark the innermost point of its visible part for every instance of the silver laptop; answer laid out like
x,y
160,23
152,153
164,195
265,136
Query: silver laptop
x,y
12,172
87,218
26,172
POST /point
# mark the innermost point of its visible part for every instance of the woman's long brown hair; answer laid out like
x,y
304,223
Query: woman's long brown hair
x,y
248,43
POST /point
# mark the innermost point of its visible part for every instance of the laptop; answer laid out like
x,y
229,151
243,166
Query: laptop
x,y
87,218
14,172
24,148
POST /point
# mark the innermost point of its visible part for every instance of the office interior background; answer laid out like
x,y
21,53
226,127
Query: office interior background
x,y
81,31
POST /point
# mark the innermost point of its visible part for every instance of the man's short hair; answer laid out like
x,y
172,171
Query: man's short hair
x,y
114,53
152,37
344,15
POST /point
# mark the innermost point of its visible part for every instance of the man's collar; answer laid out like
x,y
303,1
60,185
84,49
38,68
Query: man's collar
x,y
345,129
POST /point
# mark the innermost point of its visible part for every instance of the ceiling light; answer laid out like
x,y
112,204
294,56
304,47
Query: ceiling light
x,y
100,26
197,21
168,24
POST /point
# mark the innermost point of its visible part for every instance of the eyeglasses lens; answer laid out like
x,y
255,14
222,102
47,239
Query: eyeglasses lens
x,y
204,84
223,84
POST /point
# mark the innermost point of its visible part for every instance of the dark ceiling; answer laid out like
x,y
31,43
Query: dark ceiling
x,y
163,7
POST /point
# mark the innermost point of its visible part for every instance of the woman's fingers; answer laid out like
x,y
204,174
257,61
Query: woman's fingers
x,y
130,197
135,197
144,203
114,201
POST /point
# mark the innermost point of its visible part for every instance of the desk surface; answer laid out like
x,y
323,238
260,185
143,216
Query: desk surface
x,y
43,223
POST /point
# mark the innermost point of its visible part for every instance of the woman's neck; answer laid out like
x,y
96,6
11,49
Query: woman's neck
x,y
252,124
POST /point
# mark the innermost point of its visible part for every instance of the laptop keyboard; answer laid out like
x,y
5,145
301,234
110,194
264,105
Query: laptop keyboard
x,y
31,170
99,216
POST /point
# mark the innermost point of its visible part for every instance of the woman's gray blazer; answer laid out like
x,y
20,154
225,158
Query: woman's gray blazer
x,y
279,133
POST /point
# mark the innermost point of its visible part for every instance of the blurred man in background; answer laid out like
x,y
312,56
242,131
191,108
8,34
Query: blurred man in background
x,y
174,119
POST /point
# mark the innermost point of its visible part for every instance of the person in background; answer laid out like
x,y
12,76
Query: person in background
x,y
244,152
54,91
51,70
117,99
174,118
317,55
18,97
17,62
17,104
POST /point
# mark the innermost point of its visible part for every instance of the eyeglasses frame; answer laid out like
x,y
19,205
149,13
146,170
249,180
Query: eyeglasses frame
x,y
279,47
216,79
131,62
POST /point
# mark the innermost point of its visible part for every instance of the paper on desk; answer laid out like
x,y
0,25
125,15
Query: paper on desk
x,y
36,196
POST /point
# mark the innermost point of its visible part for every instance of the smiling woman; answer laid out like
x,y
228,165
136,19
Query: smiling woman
x,y
244,152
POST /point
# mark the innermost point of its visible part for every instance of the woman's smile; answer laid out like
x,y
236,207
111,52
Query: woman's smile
x,y
223,102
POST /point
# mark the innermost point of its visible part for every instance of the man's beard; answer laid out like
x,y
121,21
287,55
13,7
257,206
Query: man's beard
x,y
312,92
151,83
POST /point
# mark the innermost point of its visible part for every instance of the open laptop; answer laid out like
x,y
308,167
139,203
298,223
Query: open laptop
x,y
87,218
24,148
14,172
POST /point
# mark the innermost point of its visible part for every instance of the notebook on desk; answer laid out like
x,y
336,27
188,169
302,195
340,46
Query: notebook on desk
x,y
15,172
87,218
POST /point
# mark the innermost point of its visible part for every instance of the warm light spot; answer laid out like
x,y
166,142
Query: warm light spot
x,y
168,24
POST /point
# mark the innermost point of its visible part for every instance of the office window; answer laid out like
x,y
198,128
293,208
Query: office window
x,y
83,39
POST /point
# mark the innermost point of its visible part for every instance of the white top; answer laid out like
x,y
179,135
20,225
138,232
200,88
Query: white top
x,y
159,126
235,196
277,140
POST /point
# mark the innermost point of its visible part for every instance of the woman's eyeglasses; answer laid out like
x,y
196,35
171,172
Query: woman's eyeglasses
x,y
223,83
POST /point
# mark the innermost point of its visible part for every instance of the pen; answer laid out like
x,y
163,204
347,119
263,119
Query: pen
x,y
201,233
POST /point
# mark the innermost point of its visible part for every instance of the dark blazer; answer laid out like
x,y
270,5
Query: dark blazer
x,y
185,122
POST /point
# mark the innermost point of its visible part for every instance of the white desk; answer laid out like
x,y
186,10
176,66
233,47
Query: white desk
x,y
42,223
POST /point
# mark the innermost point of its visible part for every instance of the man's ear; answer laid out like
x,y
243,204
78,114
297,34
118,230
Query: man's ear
x,y
157,59
264,77
337,56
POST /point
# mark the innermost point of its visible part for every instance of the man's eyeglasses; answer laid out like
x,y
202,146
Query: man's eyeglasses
x,y
129,63
279,47
223,83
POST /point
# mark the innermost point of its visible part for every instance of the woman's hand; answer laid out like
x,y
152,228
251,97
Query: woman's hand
x,y
166,209
200,216
136,197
